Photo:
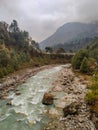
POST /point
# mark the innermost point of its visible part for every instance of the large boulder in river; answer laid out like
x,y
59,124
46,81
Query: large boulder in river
x,y
71,109
48,99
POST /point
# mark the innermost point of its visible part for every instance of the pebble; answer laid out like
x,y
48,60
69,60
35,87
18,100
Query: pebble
x,y
74,89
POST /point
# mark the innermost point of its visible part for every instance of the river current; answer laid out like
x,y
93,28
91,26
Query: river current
x,y
27,110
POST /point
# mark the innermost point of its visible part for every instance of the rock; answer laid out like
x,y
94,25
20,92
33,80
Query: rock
x,y
71,109
64,83
48,99
9,104
57,88
17,93
4,95
53,112
81,120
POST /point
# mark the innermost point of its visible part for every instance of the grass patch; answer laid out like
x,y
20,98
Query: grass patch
x,y
92,96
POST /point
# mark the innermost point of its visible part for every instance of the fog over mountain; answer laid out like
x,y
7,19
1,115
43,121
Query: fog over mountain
x,y
70,32
42,17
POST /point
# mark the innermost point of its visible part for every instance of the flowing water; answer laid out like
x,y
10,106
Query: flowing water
x,y
26,111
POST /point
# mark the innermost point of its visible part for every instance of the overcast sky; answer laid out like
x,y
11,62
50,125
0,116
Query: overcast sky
x,y
41,18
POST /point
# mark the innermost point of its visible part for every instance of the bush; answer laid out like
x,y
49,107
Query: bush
x,y
92,97
1,73
4,58
10,69
5,71
15,63
78,58
84,65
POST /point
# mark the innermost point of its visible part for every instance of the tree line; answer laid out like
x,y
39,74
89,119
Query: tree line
x,y
16,48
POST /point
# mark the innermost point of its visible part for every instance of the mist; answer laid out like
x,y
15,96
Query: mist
x,y
41,18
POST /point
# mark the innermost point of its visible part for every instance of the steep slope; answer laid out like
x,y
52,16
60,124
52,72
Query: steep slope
x,y
70,32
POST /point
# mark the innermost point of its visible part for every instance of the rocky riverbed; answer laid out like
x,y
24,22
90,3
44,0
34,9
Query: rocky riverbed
x,y
10,82
69,111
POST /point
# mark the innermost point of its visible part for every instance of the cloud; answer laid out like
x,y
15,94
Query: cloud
x,y
42,17
88,10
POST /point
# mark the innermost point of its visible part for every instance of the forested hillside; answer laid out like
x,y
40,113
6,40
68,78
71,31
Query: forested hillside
x,y
75,45
16,48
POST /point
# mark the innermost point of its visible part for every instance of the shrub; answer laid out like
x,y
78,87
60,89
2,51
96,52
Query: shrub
x,y
78,58
92,96
84,65
4,58
1,73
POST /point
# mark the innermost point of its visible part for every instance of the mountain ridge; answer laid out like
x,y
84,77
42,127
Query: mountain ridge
x,y
70,32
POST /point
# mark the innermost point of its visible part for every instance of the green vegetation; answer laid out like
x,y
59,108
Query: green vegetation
x,y
49,49
86,61
18,50
84,65
92,96
59,50
74,45
77,60
93,49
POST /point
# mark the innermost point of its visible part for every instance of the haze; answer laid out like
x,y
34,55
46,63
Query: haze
x,y
41,18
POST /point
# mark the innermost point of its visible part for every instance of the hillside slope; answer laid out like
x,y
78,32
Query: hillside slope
x,y
70,32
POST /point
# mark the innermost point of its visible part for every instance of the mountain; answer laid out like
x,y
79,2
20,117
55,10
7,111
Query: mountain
x,y
71,32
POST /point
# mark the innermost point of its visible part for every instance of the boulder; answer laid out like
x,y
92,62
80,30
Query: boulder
x,y
17,93
71,109
48,99
9,103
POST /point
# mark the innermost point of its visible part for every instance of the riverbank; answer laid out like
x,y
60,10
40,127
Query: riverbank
x,y
69,91
10,82
74,91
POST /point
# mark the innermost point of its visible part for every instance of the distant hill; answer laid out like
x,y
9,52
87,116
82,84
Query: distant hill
x,y
70,33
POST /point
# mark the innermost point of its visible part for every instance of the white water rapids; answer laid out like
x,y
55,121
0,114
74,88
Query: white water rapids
x,y
26,112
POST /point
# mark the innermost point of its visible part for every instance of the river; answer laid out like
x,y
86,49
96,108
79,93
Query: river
x,y
26,111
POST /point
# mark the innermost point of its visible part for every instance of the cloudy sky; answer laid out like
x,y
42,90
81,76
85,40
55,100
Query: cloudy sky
x,y
41,18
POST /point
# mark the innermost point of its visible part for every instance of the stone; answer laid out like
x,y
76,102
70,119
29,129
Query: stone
x,y
53,112
60,104
17,93
48,99
71,109
9,104
81,120
57,88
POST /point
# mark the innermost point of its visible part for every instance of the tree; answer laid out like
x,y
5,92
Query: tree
x,y
4,58
4,34
15,60
60,50
35,45
14,27
49,49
